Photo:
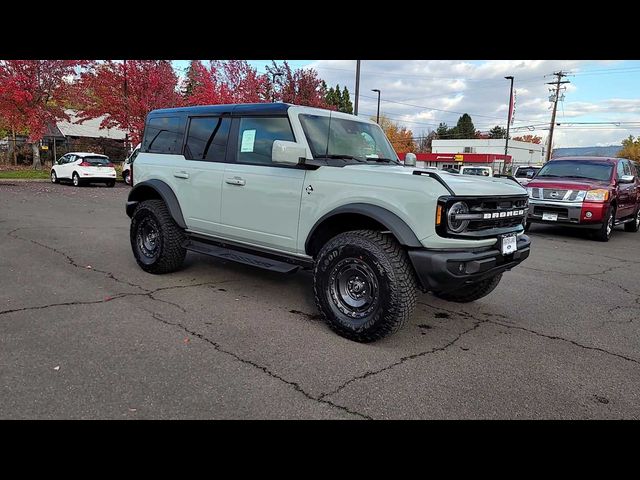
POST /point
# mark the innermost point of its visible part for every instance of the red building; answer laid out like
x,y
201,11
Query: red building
x,y
456,160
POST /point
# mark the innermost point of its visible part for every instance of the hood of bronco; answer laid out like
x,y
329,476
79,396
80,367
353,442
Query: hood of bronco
x,y
462,185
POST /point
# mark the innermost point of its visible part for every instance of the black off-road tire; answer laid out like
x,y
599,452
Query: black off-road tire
x,y
473,292
168,253
392,288
635,225
603,234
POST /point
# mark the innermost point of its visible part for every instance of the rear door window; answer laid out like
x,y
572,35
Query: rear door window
x,y
207,139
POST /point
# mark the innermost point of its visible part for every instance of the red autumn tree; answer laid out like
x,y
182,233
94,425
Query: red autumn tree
x,y
124,92
33,94
231,81
301,86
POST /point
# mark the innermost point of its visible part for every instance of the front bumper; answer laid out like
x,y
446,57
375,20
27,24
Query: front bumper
x,y
441,270
569,213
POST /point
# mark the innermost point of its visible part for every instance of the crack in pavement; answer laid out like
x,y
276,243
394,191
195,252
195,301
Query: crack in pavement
x,y
606,270
403,360
149,294
573,342
71,261
296,386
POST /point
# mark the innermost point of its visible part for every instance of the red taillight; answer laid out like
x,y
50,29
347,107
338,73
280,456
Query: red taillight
x,y
110,165
85,164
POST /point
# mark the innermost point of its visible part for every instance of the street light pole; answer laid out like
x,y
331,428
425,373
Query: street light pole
x,y
506,142
378,113
355,107
273,85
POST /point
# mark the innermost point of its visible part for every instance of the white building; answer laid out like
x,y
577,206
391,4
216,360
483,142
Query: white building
x,y
522,153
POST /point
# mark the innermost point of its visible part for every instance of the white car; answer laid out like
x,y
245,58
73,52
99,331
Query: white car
x,y
82,168
476,170
126,166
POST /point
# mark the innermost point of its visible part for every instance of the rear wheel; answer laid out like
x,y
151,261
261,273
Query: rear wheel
x,y
111,183
364,285
470,293
156,239
54,177
635,225
76,180
604,232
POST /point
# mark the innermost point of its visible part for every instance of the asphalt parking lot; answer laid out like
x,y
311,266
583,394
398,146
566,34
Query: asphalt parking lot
x,y
85,333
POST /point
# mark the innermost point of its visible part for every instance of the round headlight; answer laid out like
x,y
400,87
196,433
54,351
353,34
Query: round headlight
x,y
457,226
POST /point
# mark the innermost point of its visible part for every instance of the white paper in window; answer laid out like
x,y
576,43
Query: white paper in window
x,y
248,139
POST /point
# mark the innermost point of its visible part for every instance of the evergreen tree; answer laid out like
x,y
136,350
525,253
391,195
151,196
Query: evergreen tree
x,y
442,131
464,128
347,106
498,132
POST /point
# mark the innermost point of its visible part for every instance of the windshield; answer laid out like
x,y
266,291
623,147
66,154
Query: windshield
x,y
577,169
476,171
526,172
97,160
346,139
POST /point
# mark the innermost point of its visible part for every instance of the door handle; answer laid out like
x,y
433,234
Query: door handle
x,y
181,174
236,181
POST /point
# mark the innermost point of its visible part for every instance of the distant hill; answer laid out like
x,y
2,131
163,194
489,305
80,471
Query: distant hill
x,y
609,151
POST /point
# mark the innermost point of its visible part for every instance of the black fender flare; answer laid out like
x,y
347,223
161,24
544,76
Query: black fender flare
x,y
390,220
141,191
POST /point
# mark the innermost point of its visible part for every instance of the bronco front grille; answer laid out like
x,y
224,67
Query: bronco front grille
x,y
486,217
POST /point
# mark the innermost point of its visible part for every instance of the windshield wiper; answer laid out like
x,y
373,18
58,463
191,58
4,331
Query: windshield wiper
x,y
342,157
382,159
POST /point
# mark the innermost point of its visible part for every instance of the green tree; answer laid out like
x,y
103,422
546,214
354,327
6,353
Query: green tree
x,y
347,106
464,128
339,99
442,131
630,149
498,132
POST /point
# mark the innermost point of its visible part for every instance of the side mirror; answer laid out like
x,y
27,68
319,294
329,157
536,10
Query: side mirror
x,y
410,160
290,153
627,179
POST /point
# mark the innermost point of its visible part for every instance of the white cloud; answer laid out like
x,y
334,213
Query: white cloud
x,y
478,88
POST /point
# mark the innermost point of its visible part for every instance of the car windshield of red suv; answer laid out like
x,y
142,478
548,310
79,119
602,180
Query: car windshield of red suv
x,y
577,169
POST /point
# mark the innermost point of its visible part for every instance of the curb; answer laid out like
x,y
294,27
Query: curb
x,y
11,180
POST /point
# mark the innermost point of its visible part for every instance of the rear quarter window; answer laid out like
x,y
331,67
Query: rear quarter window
x,y
164,135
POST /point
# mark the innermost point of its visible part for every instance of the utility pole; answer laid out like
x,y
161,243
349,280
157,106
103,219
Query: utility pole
x,y
556,97
506,142
355,107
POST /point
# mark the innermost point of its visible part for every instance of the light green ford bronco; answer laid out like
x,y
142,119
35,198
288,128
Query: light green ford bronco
x,y
284,187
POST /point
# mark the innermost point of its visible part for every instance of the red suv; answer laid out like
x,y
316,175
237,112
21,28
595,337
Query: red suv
x,y
588,192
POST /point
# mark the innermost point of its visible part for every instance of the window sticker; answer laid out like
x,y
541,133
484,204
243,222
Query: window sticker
x,y
248,139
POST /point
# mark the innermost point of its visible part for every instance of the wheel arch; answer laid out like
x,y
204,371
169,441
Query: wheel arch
x,y
357,216
155,189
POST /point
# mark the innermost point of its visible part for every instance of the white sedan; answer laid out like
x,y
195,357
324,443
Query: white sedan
x,y
83,167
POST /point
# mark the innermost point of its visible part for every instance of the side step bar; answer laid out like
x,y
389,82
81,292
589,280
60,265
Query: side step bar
x,y
247,258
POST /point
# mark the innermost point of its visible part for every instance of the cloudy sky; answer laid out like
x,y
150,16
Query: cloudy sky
x,y
422,93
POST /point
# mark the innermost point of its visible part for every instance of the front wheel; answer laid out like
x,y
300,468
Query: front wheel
x,y
604,232
157,241
635,225
364,285
470,293
54,177
127,178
